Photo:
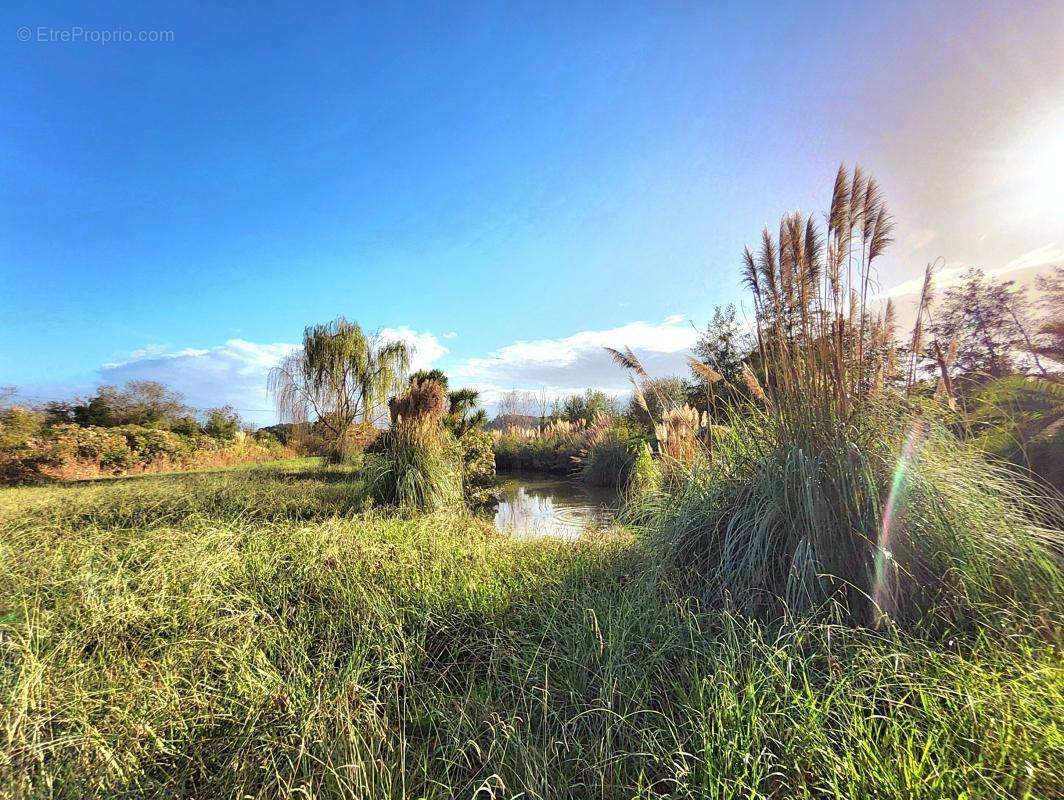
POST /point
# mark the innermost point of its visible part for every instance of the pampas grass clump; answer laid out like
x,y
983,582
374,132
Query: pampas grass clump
x,y
832,488
420,470
421,467
886,520
425,400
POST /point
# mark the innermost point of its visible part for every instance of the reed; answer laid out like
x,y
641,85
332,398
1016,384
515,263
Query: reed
x,y
835,490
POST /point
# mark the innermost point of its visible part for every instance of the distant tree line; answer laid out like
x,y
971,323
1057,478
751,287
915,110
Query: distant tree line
x,y
149,404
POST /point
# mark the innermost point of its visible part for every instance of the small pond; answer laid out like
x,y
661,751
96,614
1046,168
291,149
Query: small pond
x,y
535,504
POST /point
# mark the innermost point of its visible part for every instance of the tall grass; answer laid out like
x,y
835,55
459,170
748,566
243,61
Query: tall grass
x,y
242,654
553,447
891,518
421,469
421,466
834,489
599,452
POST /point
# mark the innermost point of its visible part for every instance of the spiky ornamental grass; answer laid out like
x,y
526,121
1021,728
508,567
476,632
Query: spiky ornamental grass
x,y
607,458
421,467
832,488
229,650
421,470
889,518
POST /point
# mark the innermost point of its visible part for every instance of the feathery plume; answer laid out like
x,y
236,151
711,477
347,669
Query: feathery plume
x,y
839,201
627,359
704,371
753,385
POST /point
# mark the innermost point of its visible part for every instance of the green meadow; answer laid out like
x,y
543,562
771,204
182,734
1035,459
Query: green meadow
x,y
262,632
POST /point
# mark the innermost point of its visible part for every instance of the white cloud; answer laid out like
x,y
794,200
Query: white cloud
x,y
235,373
450,335
1044,256
427,349
573,363
950,275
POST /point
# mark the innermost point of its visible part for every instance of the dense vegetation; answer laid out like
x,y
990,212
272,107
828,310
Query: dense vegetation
x,y
840,572
143,427
258,634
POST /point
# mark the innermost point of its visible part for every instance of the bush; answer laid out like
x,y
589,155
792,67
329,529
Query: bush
x,y
887,517
18,427
104,448
23,454
222,423
420,470
72,451
478,466
150,444
645,476
146,403
186,426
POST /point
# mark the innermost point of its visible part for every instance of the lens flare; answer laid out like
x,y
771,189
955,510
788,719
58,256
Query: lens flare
x,y
885,565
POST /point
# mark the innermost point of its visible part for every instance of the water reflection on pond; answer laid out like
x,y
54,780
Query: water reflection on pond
x,y
533,504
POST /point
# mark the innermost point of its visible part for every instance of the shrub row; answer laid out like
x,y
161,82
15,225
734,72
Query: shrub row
x,y
601,453
31,452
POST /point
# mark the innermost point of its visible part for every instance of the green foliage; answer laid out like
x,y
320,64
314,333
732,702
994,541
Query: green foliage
x,y
889,517
1019,418
283,432
609,458
586,407
724,347
222,423
420,468
463,414
1045,454
478,466
339,378
186,426
18,427
73,451
252,634
437,375
143,403
660,395
109,449
645,478
600,454
22,457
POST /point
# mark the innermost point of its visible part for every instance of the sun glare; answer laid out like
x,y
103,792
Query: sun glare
x,y
1039,168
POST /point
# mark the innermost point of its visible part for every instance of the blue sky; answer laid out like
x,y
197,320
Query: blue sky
x,y
507,185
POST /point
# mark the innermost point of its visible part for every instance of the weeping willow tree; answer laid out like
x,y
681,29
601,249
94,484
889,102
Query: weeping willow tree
x,y
341,378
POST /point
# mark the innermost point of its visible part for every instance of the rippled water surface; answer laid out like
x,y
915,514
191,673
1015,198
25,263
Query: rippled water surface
x,y
531,504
